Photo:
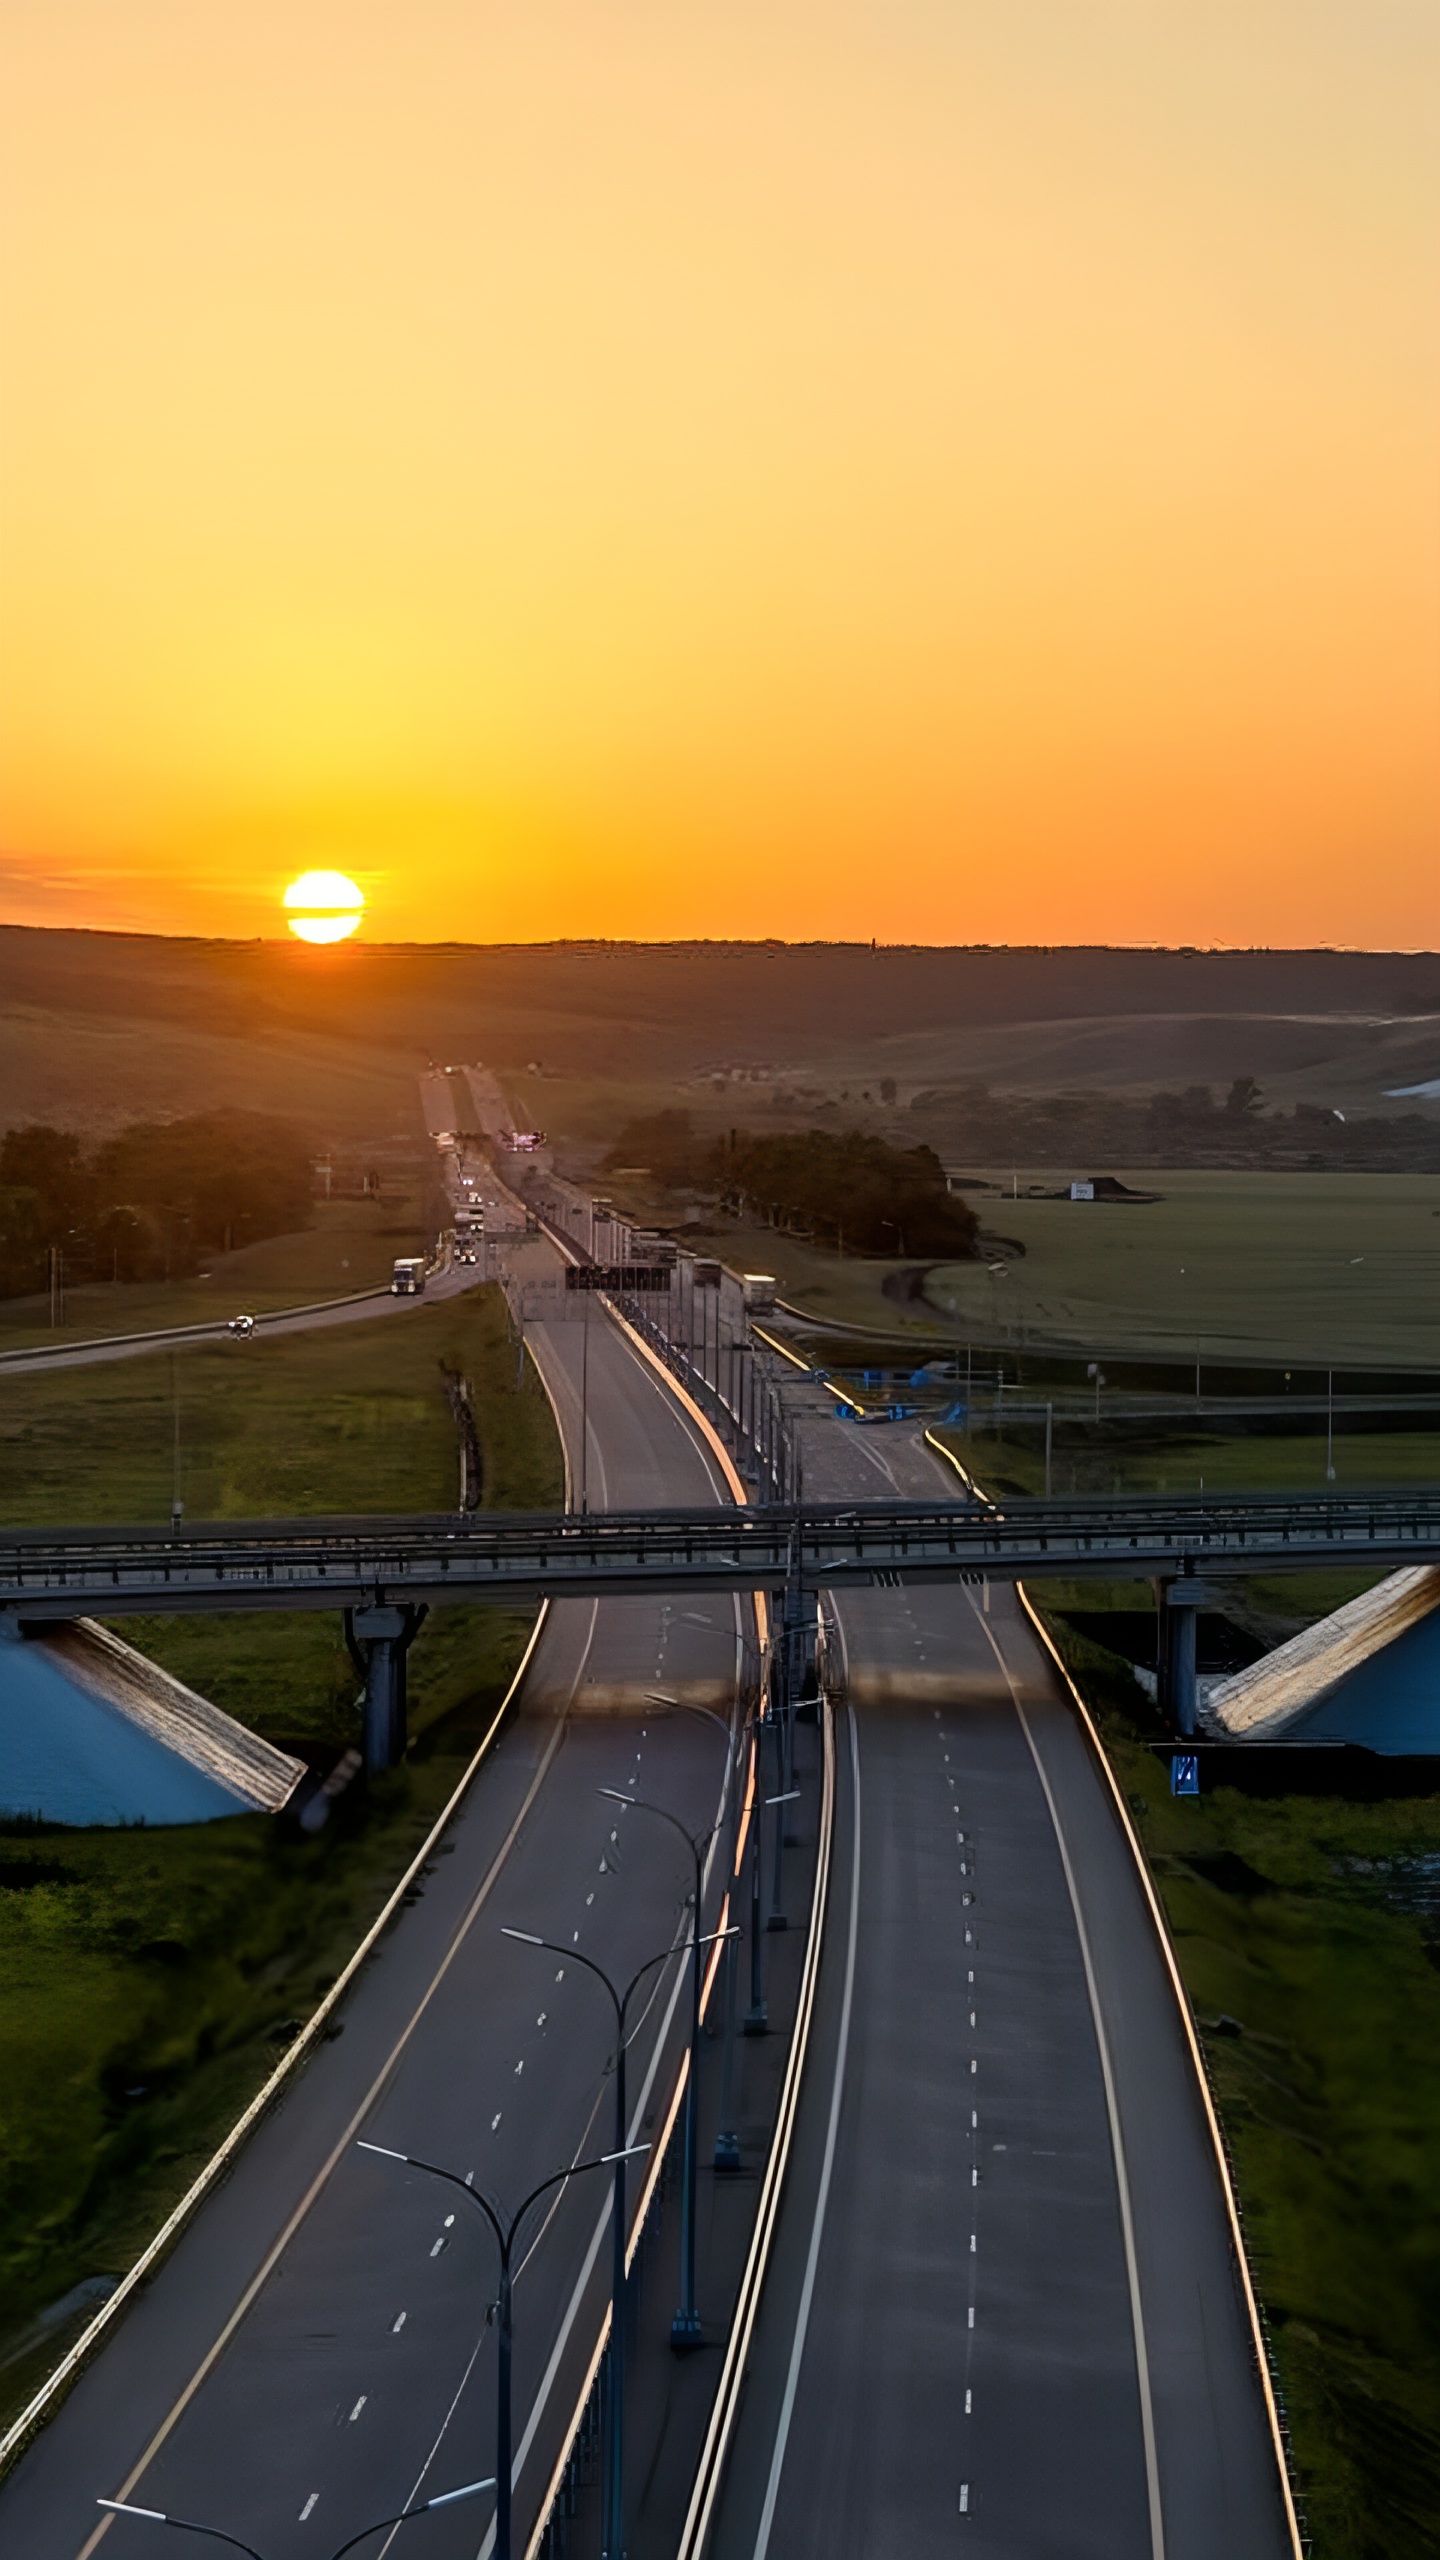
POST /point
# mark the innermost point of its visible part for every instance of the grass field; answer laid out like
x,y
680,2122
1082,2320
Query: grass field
x,y
345,1419
148,1980
1322,1269
1308,1933
351,1244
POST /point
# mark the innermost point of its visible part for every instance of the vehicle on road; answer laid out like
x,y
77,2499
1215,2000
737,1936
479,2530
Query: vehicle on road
x,y
241,1326
408,1277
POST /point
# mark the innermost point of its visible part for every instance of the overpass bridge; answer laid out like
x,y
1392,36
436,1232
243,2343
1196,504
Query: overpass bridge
x,y
511,1556
385,1574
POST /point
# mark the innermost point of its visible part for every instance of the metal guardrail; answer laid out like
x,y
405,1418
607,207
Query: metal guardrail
x,y
331,1564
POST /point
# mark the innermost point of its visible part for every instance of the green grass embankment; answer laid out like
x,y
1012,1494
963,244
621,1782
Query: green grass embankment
x,y
149,1979
1307,1930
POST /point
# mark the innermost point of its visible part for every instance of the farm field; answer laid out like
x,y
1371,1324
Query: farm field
x,y
1322,1269
149,1980
1339,1268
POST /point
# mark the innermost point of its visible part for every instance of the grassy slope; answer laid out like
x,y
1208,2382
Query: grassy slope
x,y
162,1961
1288,1917
349,1245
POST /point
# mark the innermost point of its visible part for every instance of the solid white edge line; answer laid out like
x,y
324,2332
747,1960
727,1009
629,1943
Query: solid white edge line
x,y
145,2265
807,2290
1187,2021
668,1385
1112,2109
727,2398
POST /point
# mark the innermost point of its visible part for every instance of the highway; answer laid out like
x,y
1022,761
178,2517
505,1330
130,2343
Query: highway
x,y
314,2352
1002,2313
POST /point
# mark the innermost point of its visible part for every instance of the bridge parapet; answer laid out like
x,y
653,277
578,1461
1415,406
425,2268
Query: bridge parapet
x,y
379,1563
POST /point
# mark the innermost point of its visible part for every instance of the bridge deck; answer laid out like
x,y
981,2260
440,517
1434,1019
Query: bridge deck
x,y
329,1564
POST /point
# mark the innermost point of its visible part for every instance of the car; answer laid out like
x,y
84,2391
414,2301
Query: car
x,y
242,1327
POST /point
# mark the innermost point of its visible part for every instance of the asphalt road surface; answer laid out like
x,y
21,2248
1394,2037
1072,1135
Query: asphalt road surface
x,y
315,2351
990,2325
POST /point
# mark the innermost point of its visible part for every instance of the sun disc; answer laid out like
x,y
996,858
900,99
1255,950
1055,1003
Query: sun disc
x,y
323,906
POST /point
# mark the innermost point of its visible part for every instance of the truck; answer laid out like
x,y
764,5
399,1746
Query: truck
x,y
408,1277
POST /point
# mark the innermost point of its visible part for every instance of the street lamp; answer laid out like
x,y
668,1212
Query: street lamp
x,y
381,2524
685,2330
612,2539
727,2141
505,2236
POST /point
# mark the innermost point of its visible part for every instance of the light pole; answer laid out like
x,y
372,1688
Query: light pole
x,y
505,2237
685,2330
612,2537
727,2141
212,2532
585,1406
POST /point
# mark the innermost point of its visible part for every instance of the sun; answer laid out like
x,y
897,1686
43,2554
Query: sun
x,y
323,906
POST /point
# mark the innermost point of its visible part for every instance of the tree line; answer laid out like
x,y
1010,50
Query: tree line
x,y
1192,1125
843,1188
150,1202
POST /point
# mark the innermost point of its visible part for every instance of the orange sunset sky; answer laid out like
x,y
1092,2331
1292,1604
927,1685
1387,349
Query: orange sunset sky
x,y
938,469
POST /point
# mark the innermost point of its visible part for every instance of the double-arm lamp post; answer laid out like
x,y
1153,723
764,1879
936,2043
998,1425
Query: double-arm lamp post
x,y
505,2238
212,2533
685,2330
612,2540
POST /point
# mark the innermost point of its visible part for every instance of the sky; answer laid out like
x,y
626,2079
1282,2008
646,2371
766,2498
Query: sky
x,y
937,470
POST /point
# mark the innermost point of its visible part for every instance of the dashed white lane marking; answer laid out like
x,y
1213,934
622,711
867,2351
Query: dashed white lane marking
x,y
970,2317
439,2245
975,2127
397,2325
519,2067
967,2404
972,2244
964,2497
974,2177
589,1898
359,2405
309,2507
449,2221
972,2017
974,2066
495,2124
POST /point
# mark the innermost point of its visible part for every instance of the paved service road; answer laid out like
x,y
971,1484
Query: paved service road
x,y
315,2350
961,2347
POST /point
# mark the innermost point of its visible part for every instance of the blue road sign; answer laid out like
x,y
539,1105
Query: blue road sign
x,y
1185,1773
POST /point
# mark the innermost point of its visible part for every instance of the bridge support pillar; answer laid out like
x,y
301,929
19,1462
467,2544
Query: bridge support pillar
x,y
1178,1602
379,1639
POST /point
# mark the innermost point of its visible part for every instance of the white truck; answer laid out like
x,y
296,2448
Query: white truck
x,y
408,1277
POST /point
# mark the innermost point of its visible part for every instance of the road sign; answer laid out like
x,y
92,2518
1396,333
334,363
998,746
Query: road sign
x,y
613,1277
1185,1773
